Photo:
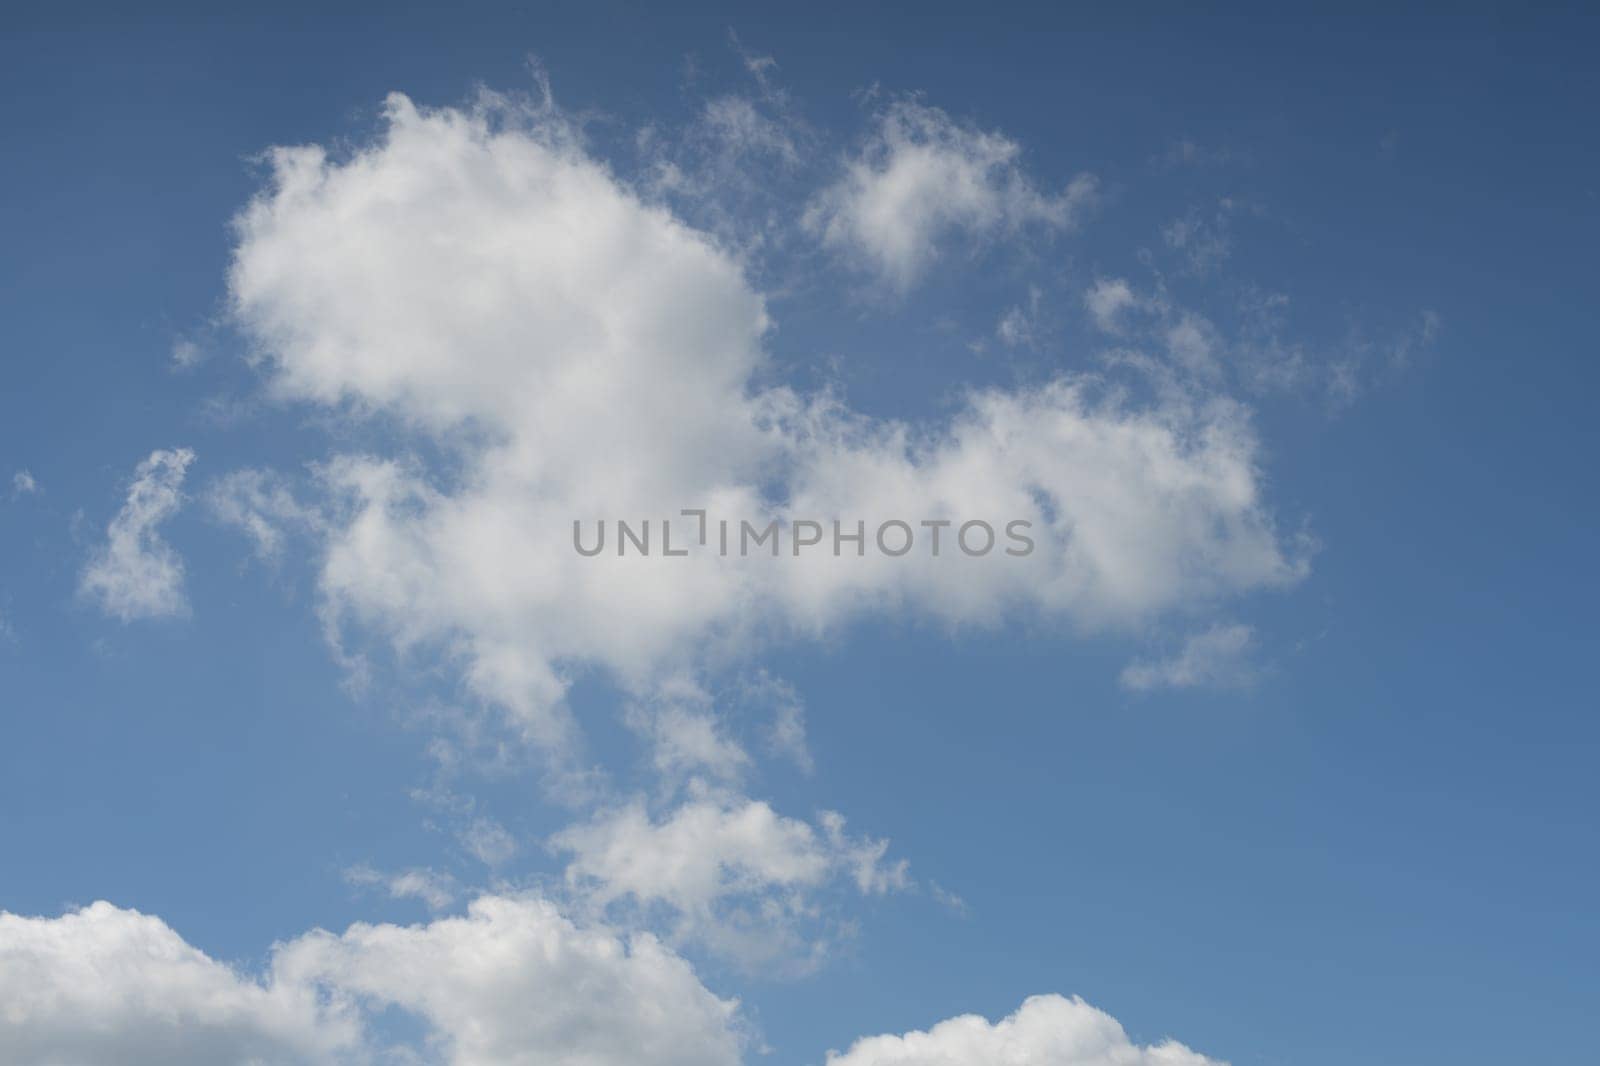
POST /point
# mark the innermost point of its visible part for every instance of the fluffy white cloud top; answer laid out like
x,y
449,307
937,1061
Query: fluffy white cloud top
x,y
923,178
579,354
512,982
1044,1031
104,986
135,573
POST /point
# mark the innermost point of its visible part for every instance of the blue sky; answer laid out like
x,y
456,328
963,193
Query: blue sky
x,y
1277,324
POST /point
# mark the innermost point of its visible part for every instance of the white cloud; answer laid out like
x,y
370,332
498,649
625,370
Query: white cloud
x,y
863,859
685,735
788,735
261,504
730,171
1362,360
1202,241
786,730
186,354
1019,326
923,177
514,983
726,872
601,347
511,983
1134,510
738,126
1106,299
724,171
583,355
1152,323
103,986
136,574
1192,343
1044,1031
434,889
1218,657
1253,350
488,841
23,484
946,898
1426,332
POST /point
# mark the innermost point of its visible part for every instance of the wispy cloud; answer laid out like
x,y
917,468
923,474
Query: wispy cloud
x,y
135,573
1218,657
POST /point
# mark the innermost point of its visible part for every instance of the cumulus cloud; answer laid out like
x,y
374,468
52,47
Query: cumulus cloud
x,y
514,983
566,351
23,484
584,355
579,354
922,178
726,872
104,986
136,574
1218,657
1049,1030
510,983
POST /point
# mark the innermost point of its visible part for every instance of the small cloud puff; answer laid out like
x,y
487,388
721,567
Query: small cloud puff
x,y
1219,657
135,573
923,177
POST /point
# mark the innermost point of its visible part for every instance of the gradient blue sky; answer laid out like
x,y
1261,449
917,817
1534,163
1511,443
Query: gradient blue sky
x,y
1372,840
